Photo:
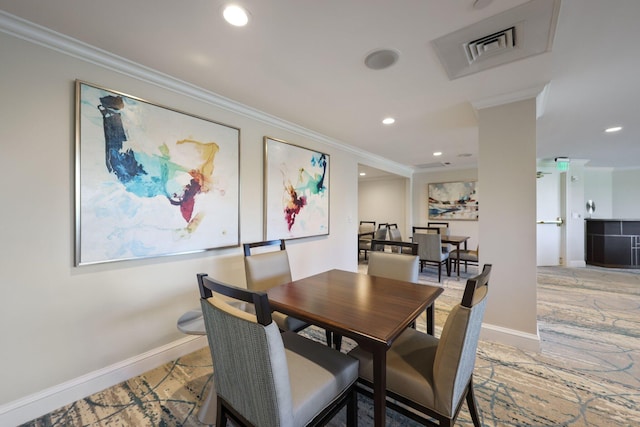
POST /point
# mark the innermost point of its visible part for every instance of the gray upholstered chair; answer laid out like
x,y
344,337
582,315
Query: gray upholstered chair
x,y
366,232
265,378
429,378
441,228
365,244
469,256
394,266
398,266
267,269
430,252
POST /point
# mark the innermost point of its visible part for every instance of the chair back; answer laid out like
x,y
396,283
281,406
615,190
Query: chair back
x,y
367,227
249,360
429,246
380,234
427,230
266,269
394,234
394,266
456,353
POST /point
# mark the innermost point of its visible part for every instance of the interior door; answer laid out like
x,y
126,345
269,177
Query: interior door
x,y
549,211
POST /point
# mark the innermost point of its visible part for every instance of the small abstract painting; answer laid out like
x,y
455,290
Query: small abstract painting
x,y
151,181
296,190
453,200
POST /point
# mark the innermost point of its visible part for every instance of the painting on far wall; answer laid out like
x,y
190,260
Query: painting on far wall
x,y
453,200
296,188
151,181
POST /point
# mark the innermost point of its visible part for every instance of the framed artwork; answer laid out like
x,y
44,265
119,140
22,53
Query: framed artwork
x,y
296,188
151,181
453,200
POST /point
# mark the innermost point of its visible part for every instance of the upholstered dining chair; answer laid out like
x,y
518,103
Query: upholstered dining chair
x,y
469,256
366,231
271,268
265,378
430,252
365,244
398,265
429,378
441,228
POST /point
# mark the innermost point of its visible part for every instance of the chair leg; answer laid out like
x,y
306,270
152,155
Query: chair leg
x,y
471,403
221,416
352,409
448,267
328,335
337,341
439,272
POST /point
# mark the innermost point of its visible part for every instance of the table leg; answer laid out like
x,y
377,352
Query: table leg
x,y
458,260
208,409
379,386
430,319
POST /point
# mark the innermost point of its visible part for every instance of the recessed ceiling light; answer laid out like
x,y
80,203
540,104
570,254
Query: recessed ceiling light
x,y
437,153
236,15
362,174
613,129
389,121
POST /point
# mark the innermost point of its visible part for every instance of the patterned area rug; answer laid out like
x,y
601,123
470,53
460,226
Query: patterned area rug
x,y
586,374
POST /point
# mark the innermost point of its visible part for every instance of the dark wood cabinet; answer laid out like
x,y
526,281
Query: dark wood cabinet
x,y
613,243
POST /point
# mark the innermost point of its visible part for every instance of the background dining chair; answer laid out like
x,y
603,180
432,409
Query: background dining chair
x,y
469,256
444,231
430,252
271,268
265,378
366,232
430,375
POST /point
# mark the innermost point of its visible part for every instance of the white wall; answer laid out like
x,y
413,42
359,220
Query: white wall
x,y
626,194
384,200
598,186
59,322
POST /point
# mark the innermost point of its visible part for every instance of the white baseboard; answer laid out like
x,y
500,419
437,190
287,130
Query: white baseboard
x,y
577,264
33,406
519,339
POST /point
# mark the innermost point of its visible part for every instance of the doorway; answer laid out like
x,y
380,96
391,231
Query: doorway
x,y
549,214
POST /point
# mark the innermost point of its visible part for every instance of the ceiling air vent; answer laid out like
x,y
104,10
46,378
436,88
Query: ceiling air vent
x,y
490,45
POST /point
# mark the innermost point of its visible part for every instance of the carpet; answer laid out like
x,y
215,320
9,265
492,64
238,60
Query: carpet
x,y
587,372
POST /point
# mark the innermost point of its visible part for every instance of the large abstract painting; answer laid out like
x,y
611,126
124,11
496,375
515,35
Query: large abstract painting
x,y
453,200
151,181
296,191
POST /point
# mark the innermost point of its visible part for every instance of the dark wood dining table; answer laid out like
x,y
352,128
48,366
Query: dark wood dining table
x,y
456,241
371,310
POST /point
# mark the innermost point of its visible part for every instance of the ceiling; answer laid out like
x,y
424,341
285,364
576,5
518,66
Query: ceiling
x,y
303,61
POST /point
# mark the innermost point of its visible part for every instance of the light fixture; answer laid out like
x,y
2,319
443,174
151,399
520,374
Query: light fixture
x,y
613,129
437,153
362,174
562,163
388,121
236,15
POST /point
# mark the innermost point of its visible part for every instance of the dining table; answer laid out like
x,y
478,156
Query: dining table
x,y
371,310
456,241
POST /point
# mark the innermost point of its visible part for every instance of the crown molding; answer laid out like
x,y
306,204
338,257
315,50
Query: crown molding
x,y
539,92
37,34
